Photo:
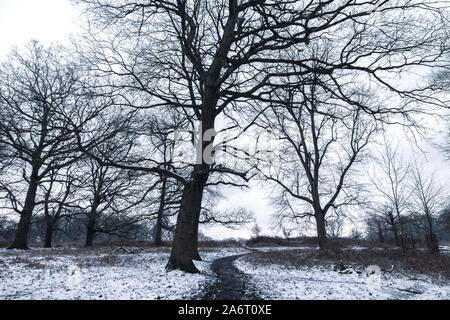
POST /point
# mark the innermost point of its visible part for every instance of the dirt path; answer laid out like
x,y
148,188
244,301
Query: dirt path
x,y
230,282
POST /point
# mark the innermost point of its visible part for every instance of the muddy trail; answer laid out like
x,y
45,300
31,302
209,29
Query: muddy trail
x,y
230,283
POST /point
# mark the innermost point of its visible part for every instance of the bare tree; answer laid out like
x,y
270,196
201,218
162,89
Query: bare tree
x,y
112,192
393,182
444,221
335,226
440,81
59,192
37,96
210,59
428,199
256,230
375,228
160,135
441,78
320,141
385,222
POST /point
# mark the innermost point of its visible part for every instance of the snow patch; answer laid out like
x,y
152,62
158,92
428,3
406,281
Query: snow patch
x,y
321,283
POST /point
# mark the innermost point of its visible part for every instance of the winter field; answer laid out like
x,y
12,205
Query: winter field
x,y
314,136
288,273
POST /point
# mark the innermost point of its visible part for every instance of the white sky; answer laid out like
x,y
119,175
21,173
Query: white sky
x,y
44,20
54,20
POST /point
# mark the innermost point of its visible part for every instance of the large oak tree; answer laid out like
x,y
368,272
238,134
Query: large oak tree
x,y
211,59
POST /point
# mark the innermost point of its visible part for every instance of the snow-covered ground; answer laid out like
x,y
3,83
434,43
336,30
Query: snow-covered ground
x,y
49,274
136,273
321,283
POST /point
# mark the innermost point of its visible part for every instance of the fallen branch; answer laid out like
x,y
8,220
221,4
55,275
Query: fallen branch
x,y
410,291
123,250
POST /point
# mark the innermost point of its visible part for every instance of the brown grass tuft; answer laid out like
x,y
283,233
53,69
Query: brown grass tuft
x,y
419,261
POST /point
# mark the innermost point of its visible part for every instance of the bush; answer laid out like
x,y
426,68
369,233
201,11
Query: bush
x,y
266,241
334,243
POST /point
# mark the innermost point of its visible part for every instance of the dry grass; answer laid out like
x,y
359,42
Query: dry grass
x,y
83,257
217,244
266,241
108,260
28,262
112,253
418,261
48,254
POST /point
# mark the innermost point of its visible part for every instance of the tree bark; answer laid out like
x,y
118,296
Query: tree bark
x,y
432,243
195,253
380,233
90,231
184,247
23,228
90,227
89,234
185,243
394,229
321,231
48,235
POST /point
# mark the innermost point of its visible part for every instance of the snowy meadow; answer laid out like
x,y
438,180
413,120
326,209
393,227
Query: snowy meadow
x,y
138,273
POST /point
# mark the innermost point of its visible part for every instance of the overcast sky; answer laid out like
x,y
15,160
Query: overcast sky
x,y
43,20
54,20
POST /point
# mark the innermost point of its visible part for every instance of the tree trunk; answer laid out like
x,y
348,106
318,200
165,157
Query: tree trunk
x,y
159,221
400,224
394,229
184,247
321,231
23,228
432,243
195,253
396,238
90,227
48,235
380,234
431,240
90,232
185,243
